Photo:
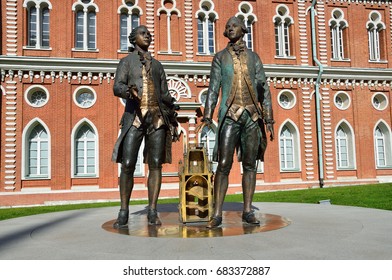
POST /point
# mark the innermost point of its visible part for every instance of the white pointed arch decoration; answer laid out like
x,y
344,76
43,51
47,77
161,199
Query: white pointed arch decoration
x,y
131,6
25,138
75,130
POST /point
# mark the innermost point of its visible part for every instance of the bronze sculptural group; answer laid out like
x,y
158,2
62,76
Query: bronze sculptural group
x,y
245,113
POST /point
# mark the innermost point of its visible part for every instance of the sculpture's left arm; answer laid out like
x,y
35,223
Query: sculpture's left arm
x,y
264,95
168,107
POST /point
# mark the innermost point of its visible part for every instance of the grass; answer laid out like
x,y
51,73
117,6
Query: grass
x,y
377,196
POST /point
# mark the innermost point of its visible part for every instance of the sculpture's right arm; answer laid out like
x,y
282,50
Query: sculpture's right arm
x,y
121,88
213,89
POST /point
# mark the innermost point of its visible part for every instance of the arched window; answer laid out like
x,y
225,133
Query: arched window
x,y
246,14
342,148
130,14
85,151
85,24
37,152
206,17
38,23
289,151
376,34
382,146
344,140
338,26
283,22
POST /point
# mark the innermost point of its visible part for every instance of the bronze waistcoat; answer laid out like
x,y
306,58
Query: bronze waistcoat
x,y
149,107
242,100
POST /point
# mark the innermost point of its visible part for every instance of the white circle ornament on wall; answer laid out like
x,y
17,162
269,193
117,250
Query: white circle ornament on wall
x,y
36,96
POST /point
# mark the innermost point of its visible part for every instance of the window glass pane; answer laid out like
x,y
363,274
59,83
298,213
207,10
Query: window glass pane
x,y
123,31
135,20
85,99
249,35
277,40
45,27
44,161
210,36
38,98
284,100
286,40
200,36
91,30
33,27
44,170
91,169
79,29
33,169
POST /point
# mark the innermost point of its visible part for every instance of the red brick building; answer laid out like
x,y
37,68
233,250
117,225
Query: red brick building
x,y
327,62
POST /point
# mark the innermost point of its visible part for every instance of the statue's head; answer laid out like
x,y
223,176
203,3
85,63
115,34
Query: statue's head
x,y
235,29
141,37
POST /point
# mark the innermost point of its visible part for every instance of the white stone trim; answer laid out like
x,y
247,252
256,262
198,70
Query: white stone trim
x,y
11,27
150,23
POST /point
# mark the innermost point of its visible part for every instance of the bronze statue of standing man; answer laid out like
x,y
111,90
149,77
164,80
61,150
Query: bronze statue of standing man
x,y
245,110
149,114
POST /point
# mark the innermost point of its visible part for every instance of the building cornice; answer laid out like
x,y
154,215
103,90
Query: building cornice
x,y
13,67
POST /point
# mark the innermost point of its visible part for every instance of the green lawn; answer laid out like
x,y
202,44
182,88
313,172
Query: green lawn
x,y
372,196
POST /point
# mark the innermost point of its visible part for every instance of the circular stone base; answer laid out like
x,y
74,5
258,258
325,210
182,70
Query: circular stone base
x,y
171,226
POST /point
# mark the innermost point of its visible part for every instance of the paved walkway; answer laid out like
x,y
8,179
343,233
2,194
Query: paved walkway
x,y
314,232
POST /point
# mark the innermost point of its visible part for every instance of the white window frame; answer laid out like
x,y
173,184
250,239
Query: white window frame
x,y
39,30
374,26
342,149
74,133
337,24
205,19
81,90
245,12
25,150
132,13
207,47
294,138
87,9
386,145
282,31
350,146
31,90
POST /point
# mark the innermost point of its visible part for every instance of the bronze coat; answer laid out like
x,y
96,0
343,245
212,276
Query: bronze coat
x,y
129,73
222,78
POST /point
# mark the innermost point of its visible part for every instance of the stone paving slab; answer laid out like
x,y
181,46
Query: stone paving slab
x,y
315,232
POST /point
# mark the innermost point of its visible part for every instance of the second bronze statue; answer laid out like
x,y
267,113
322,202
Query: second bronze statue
x,y
245,110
